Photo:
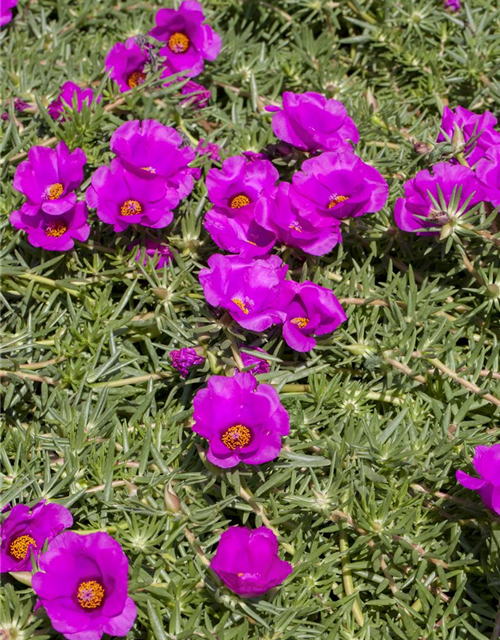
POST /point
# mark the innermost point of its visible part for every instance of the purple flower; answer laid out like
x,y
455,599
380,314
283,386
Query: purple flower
x,y
454,5
188,41
487,464
297,222
471,125
6,11
48,178
26,530
151,149
340,185
259,365
54,233
82,584
183,359
152,249
126,63
208,149
240,234
198,95
248,289
310,311
243,420
417,210
248,562
311,122
488,174
123,197
66,97
19,106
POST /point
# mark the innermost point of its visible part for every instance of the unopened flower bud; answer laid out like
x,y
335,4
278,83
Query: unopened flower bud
x,y
172,502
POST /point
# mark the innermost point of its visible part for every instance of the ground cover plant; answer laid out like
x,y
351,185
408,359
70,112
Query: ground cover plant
x,y
250,320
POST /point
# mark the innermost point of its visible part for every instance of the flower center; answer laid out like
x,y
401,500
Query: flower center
x,y
335,200
236,437
19,547
178,42
130,208
295,226
239,303
90,594
149,169
56,229
136,78
55,191
239,201
301,323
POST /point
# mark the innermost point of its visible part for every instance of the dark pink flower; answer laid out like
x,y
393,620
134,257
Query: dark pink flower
x,y
243,420
198,95
66,96
239,234
453,5
19,106
488,174
259,365
6,7
184,359
125,64
152,249
26,530
487,464
189,42
208,149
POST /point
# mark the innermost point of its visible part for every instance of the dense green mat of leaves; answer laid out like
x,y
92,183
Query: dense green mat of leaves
x,y
384,542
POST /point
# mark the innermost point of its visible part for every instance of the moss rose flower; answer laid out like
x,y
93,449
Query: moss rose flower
x,y
488,174
66,96
151,250
6,11
125,64
487,464
184,359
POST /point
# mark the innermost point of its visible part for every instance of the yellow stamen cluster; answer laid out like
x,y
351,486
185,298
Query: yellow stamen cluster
x,y
236,437
301,323
55,191
149,169
336,200
239,201
130,208
295,226
178,42
239,303
136,78
19,547
90,594
56,229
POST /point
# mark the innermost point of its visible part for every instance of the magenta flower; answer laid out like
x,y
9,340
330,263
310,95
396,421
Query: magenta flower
x,y
421,207
310,311
184,359
248,562
208,149
311,122
488,174
6,11
54,233
66,97
152,249
189,42
472,125
242,420
240,234
48,179
453,5
248,289
487,464
125,64
82,584
297,222
19,106
197,95
259,365
151,149
26,530
123,197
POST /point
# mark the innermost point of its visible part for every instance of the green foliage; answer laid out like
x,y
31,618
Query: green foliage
x,y
384,543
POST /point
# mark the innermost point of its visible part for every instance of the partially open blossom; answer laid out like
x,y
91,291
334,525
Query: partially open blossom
x,y
417,210
54,233
487,464
48,179
188,42
151,149
126,64
152,249
472,126
453,5
123,197
25,531
242,420
311,310
311,122
197,95
184,359
66,96
340,185
259,365
6,7
210,149
297,222
82,584
488,174
241,234
248,562
248,289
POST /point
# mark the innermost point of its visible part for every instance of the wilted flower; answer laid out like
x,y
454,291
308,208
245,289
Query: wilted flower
x,y
310,311
188,41
151,149
340,185
19,106
297,222
198,95
152,249
66,96
248,562
54,233
125,64
248,289
487,464
124,197
184,359
418,210
259,365
488,174
82,584
479,126
208,149
454,5
6,11
311,122
243,420
241,234
26,530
